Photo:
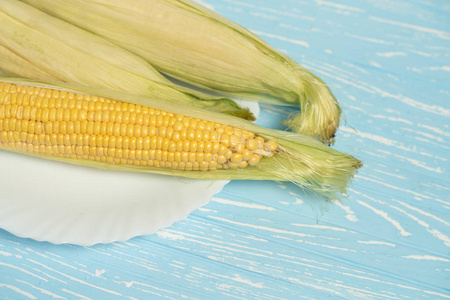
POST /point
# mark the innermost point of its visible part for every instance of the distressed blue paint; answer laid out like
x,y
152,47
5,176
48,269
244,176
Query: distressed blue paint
x,y
388,63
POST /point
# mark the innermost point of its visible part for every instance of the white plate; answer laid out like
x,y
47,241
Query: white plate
x,y
61,203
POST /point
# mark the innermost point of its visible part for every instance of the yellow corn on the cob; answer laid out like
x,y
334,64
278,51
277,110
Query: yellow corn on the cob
x,y
65,124
109,129
36,45
196,45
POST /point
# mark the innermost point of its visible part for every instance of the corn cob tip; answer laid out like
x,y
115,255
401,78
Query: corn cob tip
x,y
324,171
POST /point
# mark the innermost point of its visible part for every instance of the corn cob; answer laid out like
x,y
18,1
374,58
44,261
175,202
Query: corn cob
x,y
38,46
109,129
198,46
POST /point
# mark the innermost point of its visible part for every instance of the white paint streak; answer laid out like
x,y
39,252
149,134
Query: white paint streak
x,y
275,230
350,215
220,245
362,70
5,253
45,292
371,136
159,289
17,290
441,68
278,12
315,287
385,216
128,284
75,279
305,262
396,144
282,38
435,185
368,39
282,186
264,16
390,174
238,278
319,227
375,64
377,243
427,135
393,119
435,130
438,110
421,53
390,54
329,246
76,294
340,6
421,164
358,292
205,209
437,294
438,33
242,204
381,281
394,187
436,233
423,212
254,238
427,257
168,235
334,269
22,270
298,201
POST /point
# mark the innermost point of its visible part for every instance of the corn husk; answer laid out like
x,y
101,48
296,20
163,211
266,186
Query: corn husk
x,y
302,160
13,65
36,45
196,45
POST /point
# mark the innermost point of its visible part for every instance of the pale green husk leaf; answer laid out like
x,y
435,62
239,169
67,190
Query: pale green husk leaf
x,y
198,46
36,45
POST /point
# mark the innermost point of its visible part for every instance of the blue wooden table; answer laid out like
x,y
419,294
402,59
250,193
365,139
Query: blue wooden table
x,y
388,64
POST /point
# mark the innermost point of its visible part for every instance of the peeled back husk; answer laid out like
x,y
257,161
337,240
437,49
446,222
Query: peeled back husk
x,y
13,65
300,159
38,46
194,44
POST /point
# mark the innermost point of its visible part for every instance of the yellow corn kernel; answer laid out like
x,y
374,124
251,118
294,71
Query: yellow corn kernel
x,y
236,158
254,160
70,125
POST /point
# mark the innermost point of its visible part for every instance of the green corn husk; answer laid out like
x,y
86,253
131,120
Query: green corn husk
x,y
13,65
38,46
302,160
193,44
